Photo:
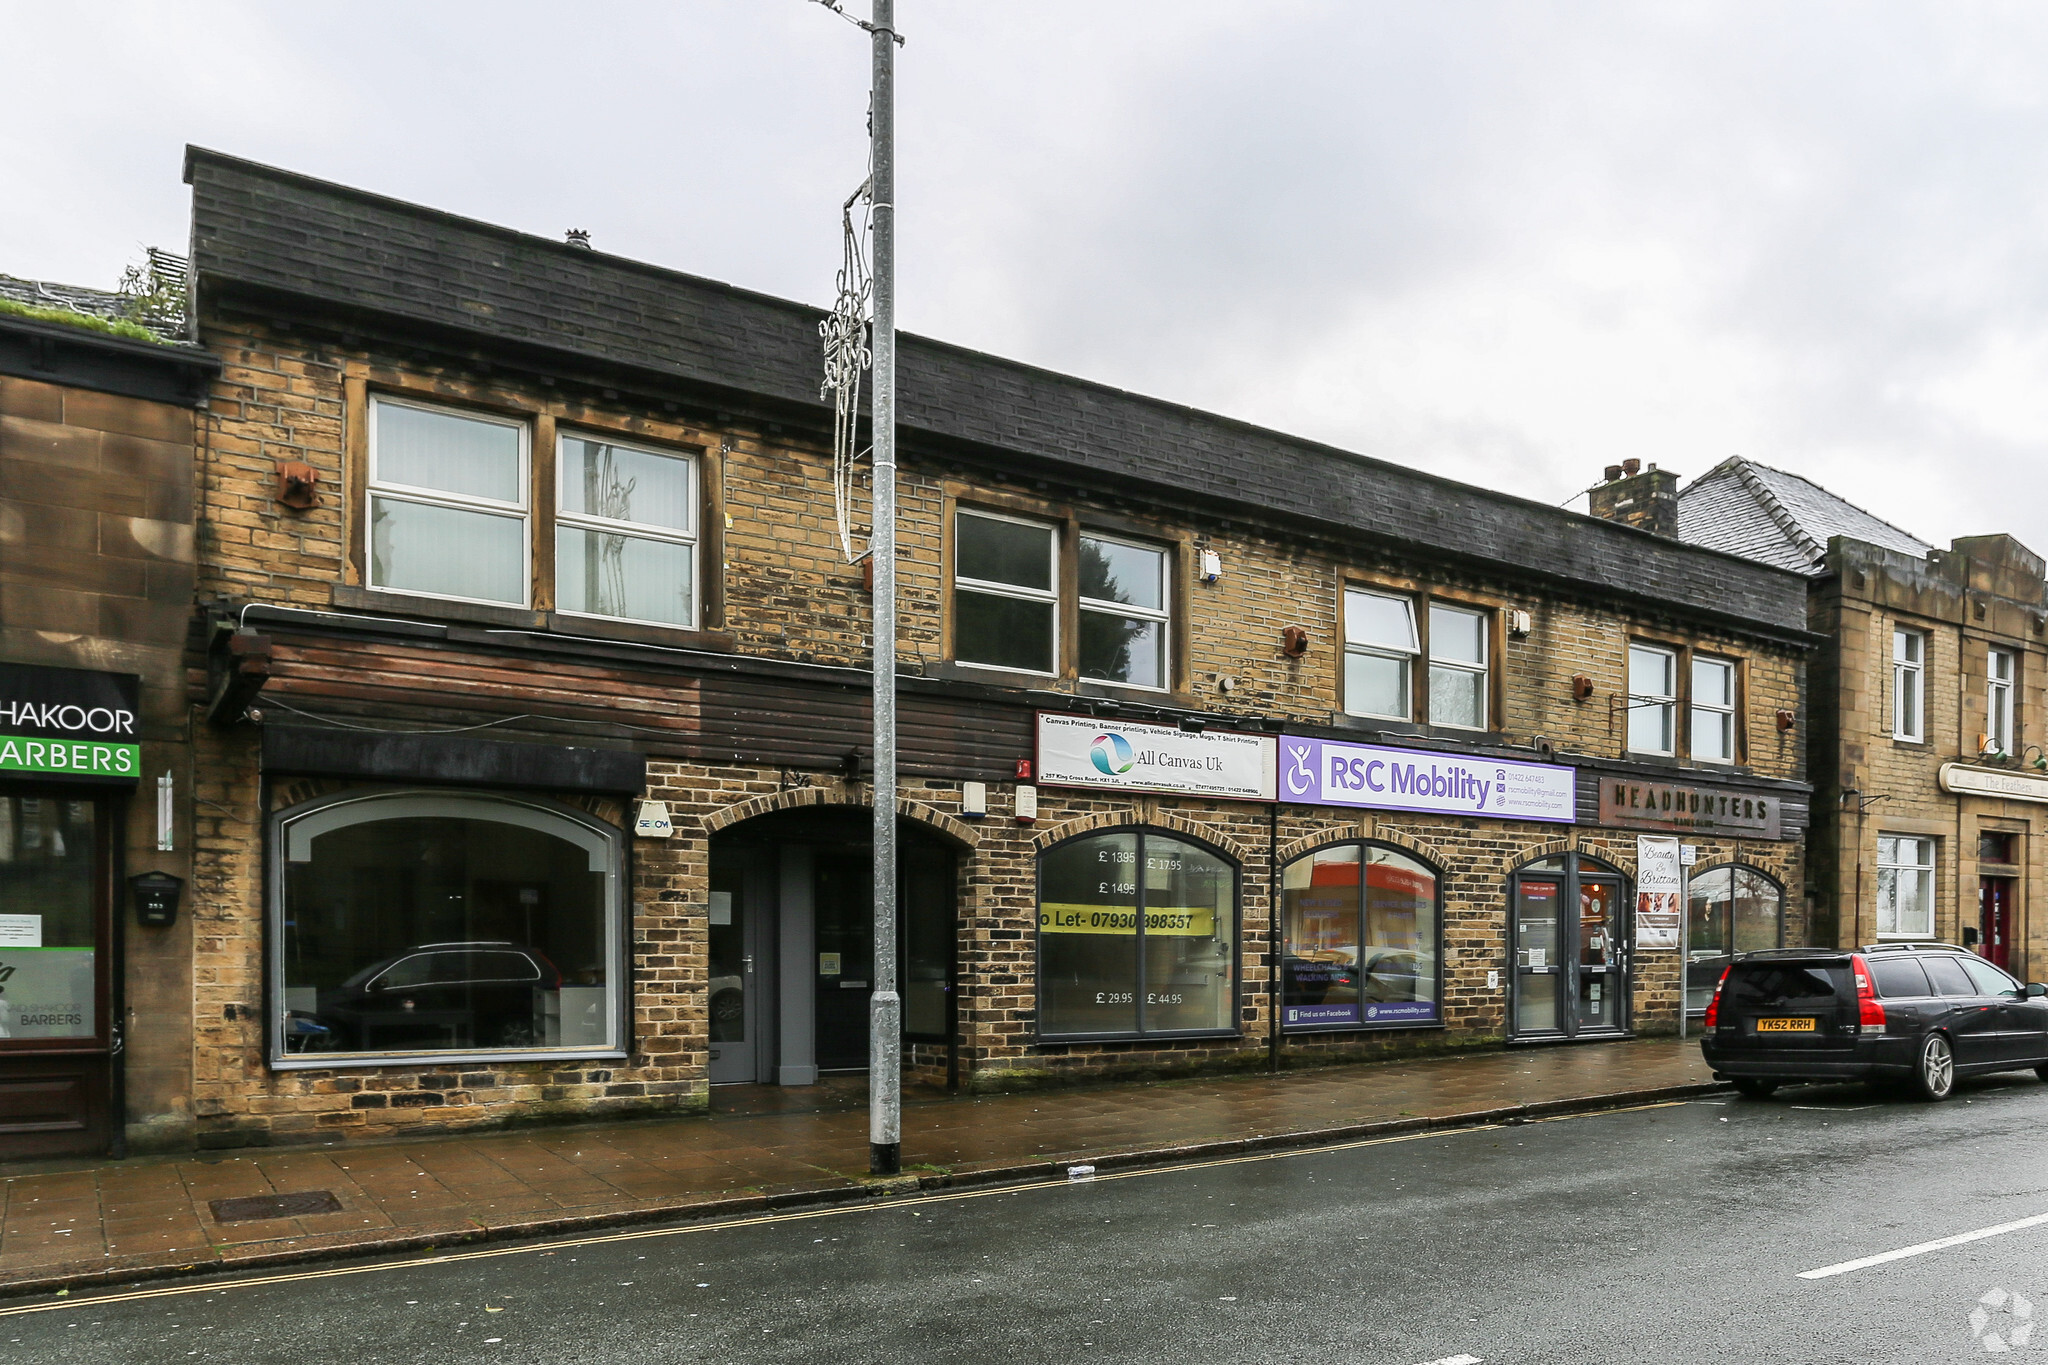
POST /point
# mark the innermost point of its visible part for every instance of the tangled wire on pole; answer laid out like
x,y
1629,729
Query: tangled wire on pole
x,y
846,334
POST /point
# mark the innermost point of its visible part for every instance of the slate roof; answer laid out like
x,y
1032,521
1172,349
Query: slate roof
x,y
97,303
271,234
1774,517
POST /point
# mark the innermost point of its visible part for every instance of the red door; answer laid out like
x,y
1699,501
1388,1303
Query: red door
x,y
1994,903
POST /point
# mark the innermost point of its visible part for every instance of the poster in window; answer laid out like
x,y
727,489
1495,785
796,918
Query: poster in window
x,y
1658,884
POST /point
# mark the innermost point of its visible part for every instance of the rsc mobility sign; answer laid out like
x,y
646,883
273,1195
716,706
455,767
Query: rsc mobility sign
x,y
1088,751
1330,772
69,723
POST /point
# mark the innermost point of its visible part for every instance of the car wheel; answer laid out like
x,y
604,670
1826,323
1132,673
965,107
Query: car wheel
x,y
2042,1071
1754,1088
1934,1074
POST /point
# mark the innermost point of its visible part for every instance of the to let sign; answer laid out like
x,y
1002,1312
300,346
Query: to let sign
x,y
69,722
1628,804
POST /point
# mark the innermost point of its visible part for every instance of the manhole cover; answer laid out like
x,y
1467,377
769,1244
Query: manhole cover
x,y
274,1206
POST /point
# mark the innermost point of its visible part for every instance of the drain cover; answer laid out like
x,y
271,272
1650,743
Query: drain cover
x,y
274,1206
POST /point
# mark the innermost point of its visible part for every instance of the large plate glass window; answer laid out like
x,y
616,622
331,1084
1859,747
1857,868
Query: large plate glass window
x,y
1379,654
1713,710
1360,932
444,926
1652,699
1730,910
448,503
50,871
1457,667
625,532
1998,669
1909,667
1005,596
1123,612
1905,887
1137,935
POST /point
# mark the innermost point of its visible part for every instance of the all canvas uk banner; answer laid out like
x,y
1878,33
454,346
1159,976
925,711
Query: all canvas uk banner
x,y
1659,886
1087,751
1331,772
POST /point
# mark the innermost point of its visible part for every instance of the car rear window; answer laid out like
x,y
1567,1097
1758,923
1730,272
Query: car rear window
x,y
1948,976
1896,977
1776,984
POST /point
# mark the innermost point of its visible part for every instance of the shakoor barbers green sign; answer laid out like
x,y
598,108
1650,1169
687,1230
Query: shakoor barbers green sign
x,y
70,723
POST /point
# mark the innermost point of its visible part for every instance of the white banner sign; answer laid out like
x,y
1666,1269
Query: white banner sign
x,y
1088,751
1659,885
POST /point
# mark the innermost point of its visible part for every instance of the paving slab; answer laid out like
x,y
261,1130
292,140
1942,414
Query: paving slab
x,y
762,1147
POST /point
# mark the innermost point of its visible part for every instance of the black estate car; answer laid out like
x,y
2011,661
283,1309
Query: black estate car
x,y
1921,1014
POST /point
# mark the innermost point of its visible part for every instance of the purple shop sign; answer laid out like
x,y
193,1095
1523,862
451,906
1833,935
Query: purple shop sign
x,y
1328,772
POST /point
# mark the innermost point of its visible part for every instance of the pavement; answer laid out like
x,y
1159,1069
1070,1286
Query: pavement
x,y
1826,1224
66,1225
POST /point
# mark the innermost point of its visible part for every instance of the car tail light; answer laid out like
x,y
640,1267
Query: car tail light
x,y
1869,1013
1714,1005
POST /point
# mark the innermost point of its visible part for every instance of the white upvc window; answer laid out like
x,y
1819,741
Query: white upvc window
x,y
1998,671
1905,887
1652,699
1457,667
1909,684
1005,592
1379,654
448,503
1123,618
625,532
1713,710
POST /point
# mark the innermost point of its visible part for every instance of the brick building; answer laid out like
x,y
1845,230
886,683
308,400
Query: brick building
x,y
96,590
1926,717
510,548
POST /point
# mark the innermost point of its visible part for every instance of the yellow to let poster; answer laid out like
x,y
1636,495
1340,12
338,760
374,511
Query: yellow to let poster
x,y
1180,921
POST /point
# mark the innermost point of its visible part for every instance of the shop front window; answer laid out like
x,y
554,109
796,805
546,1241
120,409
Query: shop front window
x,y
1137,935
1360,926
444,926
49,884
1729,911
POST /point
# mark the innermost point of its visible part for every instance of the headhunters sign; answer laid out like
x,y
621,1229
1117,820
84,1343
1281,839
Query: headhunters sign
x,y
1687,808
1332,773
67,722
1088,751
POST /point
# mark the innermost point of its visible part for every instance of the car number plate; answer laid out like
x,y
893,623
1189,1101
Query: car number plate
x,y
1785,1025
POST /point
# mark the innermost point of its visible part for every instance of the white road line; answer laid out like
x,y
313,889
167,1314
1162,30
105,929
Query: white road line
x,y
1454,1360
1923,1248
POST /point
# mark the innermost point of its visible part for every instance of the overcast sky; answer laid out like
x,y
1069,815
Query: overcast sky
x,y
1508,242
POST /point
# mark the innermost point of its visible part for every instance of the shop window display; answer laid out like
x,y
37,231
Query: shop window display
x,y
1137,935
444,926
1361,928
1730,910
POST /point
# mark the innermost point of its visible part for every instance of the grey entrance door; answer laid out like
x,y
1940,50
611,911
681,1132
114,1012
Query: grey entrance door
x,y
737,990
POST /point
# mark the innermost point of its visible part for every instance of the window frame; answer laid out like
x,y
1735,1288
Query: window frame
x,y
1925,871
1667,702
1438,875
1407,658
332,812
373,488
1083,605
1483,669
583,521
1999,717
1143,832
1902,669
1051,597
1732,710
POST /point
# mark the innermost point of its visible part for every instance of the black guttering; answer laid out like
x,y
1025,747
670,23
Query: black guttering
x,y
85,358
267,233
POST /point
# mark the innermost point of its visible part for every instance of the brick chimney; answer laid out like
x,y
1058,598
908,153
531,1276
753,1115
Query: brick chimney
x,y
1634,496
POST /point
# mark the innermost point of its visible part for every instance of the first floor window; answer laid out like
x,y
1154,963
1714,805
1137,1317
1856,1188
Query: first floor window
x,y
1005,596
1905,887
447,503
1713,710
1652,699
1729,910
440,926
1457,667
1998,702
1909,671
1137,934
625,532
1123,612
1360,931
1379,654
